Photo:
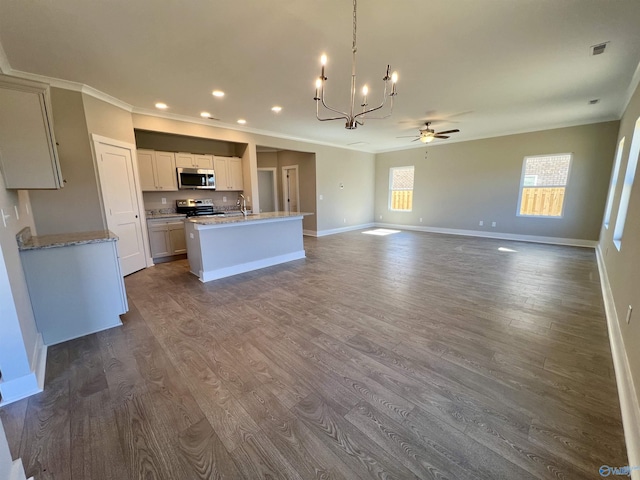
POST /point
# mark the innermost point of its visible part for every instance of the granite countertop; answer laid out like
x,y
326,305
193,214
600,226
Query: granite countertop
x,y
253,217
28,242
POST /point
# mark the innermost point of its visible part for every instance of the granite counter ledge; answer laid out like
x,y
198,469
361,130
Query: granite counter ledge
x,y
205,222
28,242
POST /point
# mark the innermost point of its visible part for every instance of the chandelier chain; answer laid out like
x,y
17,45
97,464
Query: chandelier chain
x,y
355,23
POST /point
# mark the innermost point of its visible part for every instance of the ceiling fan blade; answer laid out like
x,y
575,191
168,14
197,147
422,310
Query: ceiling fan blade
x,y
416,139
440,136
408,136
448,131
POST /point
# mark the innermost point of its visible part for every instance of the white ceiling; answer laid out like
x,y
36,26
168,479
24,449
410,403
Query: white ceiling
x,y
487,67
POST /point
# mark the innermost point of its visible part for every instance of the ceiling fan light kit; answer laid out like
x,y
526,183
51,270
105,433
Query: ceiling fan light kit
x,y
427,134
354,119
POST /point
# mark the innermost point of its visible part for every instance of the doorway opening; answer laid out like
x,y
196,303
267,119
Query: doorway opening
x,y
268,189
291,188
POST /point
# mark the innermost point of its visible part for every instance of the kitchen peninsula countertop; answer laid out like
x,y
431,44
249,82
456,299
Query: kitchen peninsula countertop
x,y
212,221
28,242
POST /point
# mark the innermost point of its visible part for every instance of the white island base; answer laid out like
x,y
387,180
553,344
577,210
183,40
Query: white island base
x,y
221,247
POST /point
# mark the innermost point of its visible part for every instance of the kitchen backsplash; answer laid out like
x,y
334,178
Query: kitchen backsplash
x,y
153,200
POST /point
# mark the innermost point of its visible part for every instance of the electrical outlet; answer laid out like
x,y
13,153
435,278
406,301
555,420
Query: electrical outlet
x,y
191,236
380,217
345,220
224,199
420,219
164,201
481,223
321,197
629,313
493,224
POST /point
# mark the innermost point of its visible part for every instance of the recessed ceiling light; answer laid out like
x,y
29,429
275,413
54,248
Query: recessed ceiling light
x,y
276,109
161,106
217,93
205,115
242,121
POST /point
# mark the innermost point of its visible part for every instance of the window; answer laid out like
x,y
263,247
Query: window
x,y
614,183
543,184
401,189
632,163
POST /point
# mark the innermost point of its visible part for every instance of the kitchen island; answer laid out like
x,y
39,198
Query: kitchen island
x,y
219,247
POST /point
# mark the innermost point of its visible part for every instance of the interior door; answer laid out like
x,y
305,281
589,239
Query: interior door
x,y
290,188
120,197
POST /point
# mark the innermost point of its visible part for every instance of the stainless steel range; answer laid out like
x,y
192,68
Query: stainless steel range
x,y
196,207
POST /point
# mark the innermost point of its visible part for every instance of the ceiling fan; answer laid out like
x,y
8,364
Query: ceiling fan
x,y
427,135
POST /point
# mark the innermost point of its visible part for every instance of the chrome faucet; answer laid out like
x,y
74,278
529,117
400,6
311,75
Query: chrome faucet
x,y
243,208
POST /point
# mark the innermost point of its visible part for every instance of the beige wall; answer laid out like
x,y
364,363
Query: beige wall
x,y
306,163
108,120
459,184
179,143
18,331
623,267
76,207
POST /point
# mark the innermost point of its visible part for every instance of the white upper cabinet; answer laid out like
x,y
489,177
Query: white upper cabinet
x,y
194,160
228,173
157,170
28,154
184,160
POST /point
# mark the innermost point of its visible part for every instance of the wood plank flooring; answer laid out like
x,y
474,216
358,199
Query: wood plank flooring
x,y
408,356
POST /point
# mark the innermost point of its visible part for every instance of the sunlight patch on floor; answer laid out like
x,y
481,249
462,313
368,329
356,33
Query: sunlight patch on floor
x,y
381,232
505,249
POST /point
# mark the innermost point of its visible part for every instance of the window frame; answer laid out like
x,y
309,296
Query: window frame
x,y
390,199
627,187
613,184
566,186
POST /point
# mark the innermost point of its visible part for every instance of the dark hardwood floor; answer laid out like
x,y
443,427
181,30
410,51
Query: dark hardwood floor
x,y
408,356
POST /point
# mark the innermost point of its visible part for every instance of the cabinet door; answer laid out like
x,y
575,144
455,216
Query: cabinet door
x,y
235,174
203,161
165,167
145,169
184,160
222,174
29,158
159,240
177,238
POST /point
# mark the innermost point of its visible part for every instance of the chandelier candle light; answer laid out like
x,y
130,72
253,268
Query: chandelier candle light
x,y
354,119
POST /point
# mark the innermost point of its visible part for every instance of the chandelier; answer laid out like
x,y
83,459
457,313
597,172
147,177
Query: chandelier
x,y
354,119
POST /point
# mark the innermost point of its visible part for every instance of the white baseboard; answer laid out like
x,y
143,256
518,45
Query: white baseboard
x,y
574,242
27,385
250,266
333,231
629,405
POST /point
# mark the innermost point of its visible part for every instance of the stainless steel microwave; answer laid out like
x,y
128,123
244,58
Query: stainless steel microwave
x,y
196,178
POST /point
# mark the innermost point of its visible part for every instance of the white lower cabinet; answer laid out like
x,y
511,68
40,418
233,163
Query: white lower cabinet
x,y
166,238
